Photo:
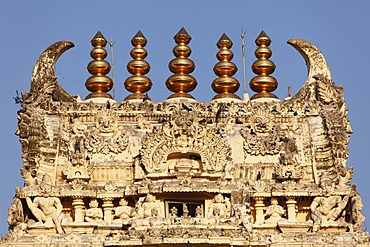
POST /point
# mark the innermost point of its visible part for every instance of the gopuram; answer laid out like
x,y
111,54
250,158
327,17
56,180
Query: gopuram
x,y
257,171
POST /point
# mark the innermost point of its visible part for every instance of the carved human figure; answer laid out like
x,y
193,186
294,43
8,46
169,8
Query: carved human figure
x,y
15,214
147,207
47,211
123,213
357,218
327,209
274,212
94,214
185,210
243,215
198,212
173,212
218,208
345,177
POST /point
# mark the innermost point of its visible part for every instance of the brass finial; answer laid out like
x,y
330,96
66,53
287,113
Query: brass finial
x,y
181,82
225,86
98,84
138,84
263,84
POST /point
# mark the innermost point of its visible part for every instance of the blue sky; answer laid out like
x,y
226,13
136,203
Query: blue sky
x,y
338,28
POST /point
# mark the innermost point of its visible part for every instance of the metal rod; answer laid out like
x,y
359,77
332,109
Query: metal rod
x,y
242,35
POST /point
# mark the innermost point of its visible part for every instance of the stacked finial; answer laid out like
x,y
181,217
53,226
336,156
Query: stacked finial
x,y
98,84
263,84
225,86
181,83
138,84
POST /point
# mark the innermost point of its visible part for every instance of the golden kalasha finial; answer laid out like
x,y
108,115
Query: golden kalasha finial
x,y
138,84
225,86
263,84
181,83
98,84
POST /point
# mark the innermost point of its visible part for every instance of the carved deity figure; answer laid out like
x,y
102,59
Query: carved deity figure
x,y
15,214
173,212
345,177
198,212
47,211
357,218
123,212
274,212
94,213
325,210
218,207
147,207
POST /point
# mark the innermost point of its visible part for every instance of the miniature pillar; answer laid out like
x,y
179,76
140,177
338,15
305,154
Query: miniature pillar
x,y
291,203
77,205
259,206
107,208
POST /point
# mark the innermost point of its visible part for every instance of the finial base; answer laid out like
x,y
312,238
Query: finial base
x,y
180,95
226,96
98,95
264,95
138,96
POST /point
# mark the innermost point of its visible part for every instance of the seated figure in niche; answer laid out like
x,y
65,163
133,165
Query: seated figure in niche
x,y
218,208
94,214
274,212
173,212
147,207
123,213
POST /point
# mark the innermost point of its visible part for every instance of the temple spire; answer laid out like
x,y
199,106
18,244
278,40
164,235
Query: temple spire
x,y
98,84
181,83
225,86
138,84
263,84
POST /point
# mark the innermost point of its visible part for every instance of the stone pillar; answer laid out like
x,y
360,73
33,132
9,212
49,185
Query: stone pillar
x,y
78,205
259,206
291,204
107,208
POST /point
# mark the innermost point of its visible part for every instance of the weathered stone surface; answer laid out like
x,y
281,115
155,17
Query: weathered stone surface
x,y
227,172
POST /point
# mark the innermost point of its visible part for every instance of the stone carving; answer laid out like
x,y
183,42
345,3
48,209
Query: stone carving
x,y
47,211
94,213
327,210
106,137
274,212
261,138
220,207
147,207
16,215
197,171
123,212
173,212
184,135
44,85
345,177
357,218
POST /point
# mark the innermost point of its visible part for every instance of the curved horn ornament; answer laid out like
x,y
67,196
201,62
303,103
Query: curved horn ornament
x,y
44,84
318,85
